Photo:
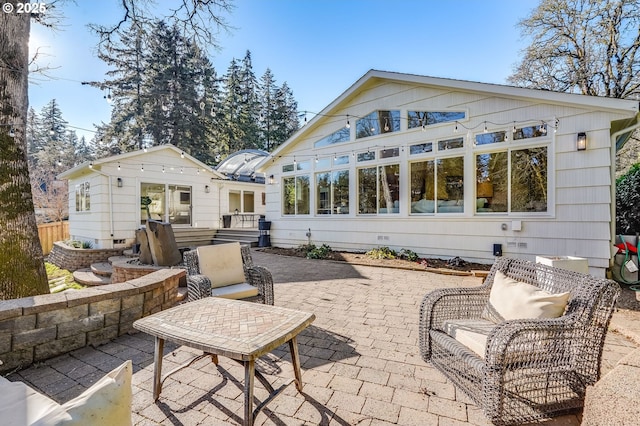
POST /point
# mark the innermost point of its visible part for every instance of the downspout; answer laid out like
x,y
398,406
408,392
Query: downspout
x,y
612,226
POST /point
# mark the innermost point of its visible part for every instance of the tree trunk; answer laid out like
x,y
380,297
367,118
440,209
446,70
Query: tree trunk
x,y
22,271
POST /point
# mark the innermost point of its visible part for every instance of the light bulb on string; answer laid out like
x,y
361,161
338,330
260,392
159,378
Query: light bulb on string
x,y
348,125
118,166
485,127
455,129
142,168
12,133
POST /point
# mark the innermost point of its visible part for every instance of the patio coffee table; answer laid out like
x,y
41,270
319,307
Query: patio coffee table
x,y
242,331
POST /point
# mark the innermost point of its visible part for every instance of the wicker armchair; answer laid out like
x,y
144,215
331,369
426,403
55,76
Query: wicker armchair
x,y
532,369
200,285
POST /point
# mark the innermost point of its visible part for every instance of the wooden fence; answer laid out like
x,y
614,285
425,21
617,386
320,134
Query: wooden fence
x,y
52,232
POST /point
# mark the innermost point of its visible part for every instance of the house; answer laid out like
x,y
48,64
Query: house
x,y
112,197
452,168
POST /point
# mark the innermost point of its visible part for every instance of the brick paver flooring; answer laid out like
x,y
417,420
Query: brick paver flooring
x,y
360,359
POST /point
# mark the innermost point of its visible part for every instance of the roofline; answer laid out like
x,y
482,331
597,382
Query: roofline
x,y
120,157
623,105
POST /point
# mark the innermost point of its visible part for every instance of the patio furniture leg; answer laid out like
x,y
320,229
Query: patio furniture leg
x,y
249,374
295,361
157,368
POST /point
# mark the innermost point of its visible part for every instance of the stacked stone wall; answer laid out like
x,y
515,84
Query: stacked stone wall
x,y
72,259
36,328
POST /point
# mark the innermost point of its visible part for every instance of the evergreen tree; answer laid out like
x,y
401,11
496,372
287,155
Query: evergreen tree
x,y
56,149
126,130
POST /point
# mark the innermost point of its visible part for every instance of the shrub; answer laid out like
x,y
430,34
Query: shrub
x,y
409,255
628,202
382,253
79,244
321,252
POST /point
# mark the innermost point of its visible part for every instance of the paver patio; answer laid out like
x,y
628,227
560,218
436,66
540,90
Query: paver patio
x,y
360,359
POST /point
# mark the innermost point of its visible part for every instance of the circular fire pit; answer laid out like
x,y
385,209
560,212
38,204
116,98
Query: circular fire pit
x,y
125,270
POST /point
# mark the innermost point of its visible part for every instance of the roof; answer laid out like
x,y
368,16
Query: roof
x,y
127,155
241,165
596,102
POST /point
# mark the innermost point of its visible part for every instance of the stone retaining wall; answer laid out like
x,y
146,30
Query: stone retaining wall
x,y
36,328
72,259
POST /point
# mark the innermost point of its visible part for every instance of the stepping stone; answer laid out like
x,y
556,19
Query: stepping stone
x,y
103,269
87,277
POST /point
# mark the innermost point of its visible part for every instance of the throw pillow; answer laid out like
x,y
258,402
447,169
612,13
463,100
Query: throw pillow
x,y
106,403
222,264
510,299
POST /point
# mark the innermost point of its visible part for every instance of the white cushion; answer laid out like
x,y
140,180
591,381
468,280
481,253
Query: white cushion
x,y
472,333
107,402
236,291
222,264
510,299
21,405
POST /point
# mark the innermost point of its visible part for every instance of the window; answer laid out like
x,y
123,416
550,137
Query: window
x,y
378,122
83,197
530,132
488,138
287,168
167,203
248,202
427,118
421,148
323,163
339,136
527,181
366,156
379,189
451,144
295,195
340,160
423,187
450,185
389,152
332,192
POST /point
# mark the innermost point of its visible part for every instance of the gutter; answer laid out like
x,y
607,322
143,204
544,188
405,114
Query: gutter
x,y
612,226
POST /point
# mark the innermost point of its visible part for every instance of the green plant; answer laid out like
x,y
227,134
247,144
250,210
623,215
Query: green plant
x,y
87,245
627,201
409,255
79,244
60,279
382,253
321,252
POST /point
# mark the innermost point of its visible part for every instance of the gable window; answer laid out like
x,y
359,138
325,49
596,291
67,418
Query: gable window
x,y
428,118
332,192
489,138
379,189
83,197
523,189
295,193
339,136
378,122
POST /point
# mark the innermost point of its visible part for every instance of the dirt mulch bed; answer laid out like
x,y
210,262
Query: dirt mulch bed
x,y
456,267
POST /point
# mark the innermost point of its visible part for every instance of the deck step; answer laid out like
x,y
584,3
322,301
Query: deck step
x,y
87,277
104,269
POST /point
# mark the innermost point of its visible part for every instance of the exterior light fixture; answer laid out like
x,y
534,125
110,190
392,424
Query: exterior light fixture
x,y
581,141
207,189
119,182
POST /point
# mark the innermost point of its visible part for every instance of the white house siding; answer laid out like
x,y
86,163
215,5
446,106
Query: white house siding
x,y
578,217
114,217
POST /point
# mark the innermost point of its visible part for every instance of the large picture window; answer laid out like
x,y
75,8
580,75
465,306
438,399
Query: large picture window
x,y
295,195
437,186
379,189
525,189
332,192
166,203
83,197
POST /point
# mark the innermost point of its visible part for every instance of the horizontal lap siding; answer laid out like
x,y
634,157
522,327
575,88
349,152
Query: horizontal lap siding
x,y
578,220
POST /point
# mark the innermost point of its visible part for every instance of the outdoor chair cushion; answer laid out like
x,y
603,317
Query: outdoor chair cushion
x,y
510,299
235,291
222,264
471,333
107,402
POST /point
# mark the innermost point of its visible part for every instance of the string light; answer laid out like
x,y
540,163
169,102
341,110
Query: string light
x,y
142,168
118,166
348,125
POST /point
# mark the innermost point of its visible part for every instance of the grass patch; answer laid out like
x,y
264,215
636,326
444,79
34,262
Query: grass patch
x,y
60,279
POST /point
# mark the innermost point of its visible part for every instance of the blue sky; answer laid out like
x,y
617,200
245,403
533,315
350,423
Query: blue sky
x,y
319,47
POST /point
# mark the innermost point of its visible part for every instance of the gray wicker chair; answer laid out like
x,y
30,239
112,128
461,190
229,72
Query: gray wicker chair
x,y
532,369
199,286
